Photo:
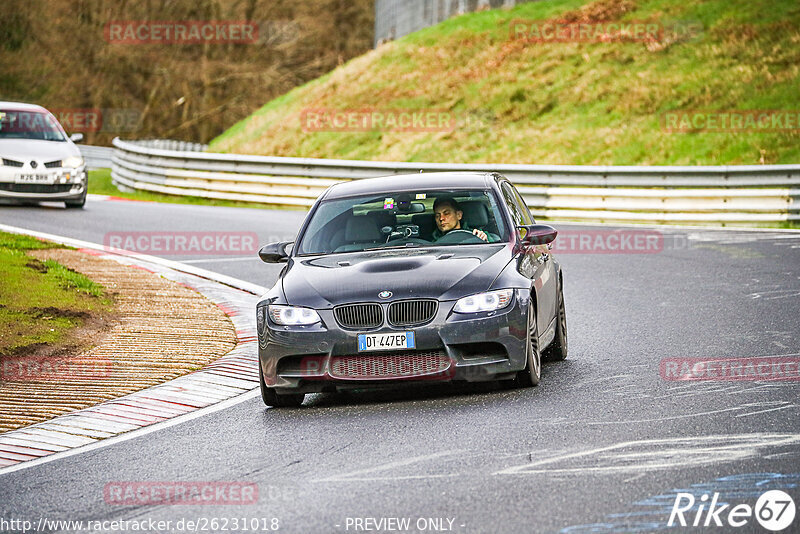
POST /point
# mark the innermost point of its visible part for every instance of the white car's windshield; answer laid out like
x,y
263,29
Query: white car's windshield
x,y
39,125
416,219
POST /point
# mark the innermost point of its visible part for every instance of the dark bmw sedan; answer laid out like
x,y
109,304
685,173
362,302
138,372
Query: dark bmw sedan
x,y
425,277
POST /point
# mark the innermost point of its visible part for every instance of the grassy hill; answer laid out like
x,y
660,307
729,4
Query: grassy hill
x,y
517,101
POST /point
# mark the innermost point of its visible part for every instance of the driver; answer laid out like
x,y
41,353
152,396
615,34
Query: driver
x,y
449,216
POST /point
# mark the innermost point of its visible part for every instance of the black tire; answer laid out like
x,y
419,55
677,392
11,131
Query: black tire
x,y
76,203
272,399
532,373
557,351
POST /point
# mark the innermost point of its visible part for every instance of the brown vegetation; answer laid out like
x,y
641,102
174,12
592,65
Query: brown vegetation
x,y
55,53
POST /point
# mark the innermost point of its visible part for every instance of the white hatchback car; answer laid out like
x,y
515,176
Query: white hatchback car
x,y
39,161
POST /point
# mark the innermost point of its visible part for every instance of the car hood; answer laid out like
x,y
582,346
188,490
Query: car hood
x,y
444,273
27,149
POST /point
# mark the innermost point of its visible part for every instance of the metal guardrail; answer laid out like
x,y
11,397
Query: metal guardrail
x,y
708,194
97,157
396,18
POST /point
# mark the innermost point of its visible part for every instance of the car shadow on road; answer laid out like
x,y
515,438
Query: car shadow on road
x,y
401,393
460,391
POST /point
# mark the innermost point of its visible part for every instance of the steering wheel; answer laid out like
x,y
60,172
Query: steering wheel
x,y
457,237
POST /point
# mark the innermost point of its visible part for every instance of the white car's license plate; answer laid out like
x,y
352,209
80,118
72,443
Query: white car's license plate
x,y
391,341
34,178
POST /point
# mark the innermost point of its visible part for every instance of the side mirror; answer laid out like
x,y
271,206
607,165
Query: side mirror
x,y
275,252
537,234
76,137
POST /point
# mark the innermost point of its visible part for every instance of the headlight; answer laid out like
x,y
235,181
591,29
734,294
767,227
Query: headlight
x,y
72,161
484,302
292,316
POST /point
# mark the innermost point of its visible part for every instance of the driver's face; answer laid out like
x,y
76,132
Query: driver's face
x,y
447,218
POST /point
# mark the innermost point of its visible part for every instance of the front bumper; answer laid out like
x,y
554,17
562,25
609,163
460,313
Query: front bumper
x,y
70,184
475,347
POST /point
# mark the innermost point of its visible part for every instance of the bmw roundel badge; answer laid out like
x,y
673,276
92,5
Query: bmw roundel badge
x,y
385,294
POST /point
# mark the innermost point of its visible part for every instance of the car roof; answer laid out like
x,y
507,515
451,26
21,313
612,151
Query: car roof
x,y
21,106
410,182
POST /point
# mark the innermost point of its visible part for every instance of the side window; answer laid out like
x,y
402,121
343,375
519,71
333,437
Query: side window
x,y
519,213
526,213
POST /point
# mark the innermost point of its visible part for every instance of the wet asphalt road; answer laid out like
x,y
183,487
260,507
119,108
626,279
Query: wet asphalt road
x,y
604,444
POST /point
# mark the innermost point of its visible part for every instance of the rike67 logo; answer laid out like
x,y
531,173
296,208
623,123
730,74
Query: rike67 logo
x,y
774,510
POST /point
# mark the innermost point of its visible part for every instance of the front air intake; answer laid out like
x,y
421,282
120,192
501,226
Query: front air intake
x,y
391,366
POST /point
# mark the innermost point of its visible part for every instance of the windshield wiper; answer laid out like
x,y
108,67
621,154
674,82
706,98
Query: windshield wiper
x,y
407,245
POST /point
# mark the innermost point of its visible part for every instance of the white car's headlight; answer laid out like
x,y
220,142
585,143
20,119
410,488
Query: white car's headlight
x,y
72,161
484,302
292,316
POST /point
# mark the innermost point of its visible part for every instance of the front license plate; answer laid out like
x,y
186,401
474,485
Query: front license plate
x,y
34,178
393,341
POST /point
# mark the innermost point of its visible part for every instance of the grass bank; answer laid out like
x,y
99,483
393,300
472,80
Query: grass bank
x,y
517,101
42,303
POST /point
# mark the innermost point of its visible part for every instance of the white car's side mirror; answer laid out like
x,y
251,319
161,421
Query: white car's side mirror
x,y
76,137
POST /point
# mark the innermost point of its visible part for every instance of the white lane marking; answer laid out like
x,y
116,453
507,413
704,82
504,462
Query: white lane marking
x,y
776,294
685,386
760,387
780,455
244,397
220,260
389,478
746,406
656,454
787,405
602,379
659,419
637,477
346,477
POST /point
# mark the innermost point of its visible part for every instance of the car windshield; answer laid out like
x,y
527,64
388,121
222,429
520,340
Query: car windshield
x,y
39,125
415,219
